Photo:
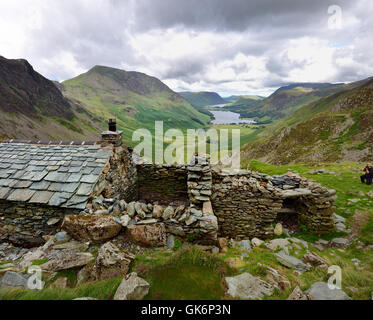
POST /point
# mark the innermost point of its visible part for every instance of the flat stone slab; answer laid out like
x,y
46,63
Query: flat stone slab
x,y
291,262
246,286
321,291
295,193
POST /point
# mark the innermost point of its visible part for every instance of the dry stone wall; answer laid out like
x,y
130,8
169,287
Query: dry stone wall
x,y
248,204
26,224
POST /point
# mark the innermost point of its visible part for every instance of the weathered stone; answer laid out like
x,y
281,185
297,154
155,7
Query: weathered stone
x,y
71,246
132,288
207,209
339,243
157,211
96,228
245,286
53,221
222,243
209,223
291,262
31,256
256,242
69,261
321,291
279,230
62,237
314,259
168,213
171,241
125,220
131,210
148,235
111,261
298,294
13,280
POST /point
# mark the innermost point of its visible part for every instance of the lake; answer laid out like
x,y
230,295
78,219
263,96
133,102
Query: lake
x,y
227,117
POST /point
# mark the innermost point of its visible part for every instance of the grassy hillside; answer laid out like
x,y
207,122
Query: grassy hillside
x,y
202,99
32,107
339,127
287,100
135,99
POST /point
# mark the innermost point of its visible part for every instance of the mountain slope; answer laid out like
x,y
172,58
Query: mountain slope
x,y
32,107
135,99
338,127
288,99
202,99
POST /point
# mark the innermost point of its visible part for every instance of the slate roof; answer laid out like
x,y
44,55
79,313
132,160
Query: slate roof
x,y
62,175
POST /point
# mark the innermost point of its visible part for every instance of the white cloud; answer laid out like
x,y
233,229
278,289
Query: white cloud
x,y
229,47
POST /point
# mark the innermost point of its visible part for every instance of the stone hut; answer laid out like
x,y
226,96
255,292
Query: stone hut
x,y
41,182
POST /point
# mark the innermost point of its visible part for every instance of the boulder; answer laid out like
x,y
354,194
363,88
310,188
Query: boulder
x,y
171,241
111,261
314,259
279,230
168,213
71,246
207,209
131,211
139,210
62,237
209,223
157,211
13,280
298,294
92,228
246,286
69,261
31,256
256,242
321,291
278,244
125,220
153,235
222,243
132,288
291,262
339,243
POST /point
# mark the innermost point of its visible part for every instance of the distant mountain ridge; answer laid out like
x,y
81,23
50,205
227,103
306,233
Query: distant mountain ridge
x,y
203,99
33,107
337,127
289,99
135,99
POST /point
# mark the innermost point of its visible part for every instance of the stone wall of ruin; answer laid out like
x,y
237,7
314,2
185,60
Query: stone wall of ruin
x,y
245,204
248,204
26,224
119,178
162,184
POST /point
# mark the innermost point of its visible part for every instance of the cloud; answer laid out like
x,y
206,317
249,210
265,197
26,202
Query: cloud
x,y
235,46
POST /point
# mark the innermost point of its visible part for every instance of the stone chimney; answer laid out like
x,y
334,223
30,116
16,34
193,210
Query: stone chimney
x,y
113,136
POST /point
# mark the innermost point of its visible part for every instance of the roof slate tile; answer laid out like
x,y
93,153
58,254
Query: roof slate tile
x,y
59,175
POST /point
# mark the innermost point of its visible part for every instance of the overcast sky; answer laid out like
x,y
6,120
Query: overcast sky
x,y
227,46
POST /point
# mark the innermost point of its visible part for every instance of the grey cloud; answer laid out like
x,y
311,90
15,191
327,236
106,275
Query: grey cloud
x,y
102,33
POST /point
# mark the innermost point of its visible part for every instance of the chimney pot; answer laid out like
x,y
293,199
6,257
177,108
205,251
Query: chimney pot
x,y
111,137
112,125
